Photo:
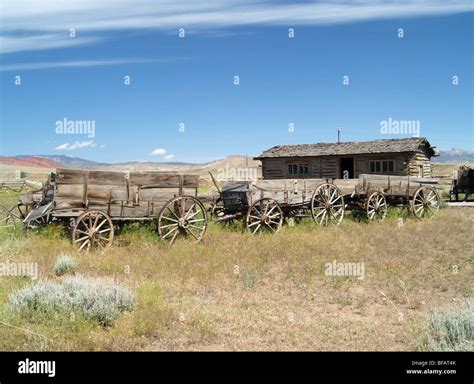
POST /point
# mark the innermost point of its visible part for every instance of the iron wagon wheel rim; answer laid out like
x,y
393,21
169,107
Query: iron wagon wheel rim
x,y
263,214
327,205
93,228
18,214
176,219
7,222
425,203
376,207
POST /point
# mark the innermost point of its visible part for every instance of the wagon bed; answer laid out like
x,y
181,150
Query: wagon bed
x,y
122,195
91,202
392,185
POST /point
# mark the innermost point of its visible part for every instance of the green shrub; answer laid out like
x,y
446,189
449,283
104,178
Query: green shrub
x,y
452,330
91,298
64,264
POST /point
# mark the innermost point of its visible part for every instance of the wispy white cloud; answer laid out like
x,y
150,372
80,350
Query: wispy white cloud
x,y
75,145
83,63
158,152
161,152
9,44
44,19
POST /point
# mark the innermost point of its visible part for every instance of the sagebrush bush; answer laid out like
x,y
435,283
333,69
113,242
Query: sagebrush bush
x,y
92,298
64,264
452,330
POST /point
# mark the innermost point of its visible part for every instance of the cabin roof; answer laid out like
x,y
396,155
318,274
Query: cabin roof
x,y
413,144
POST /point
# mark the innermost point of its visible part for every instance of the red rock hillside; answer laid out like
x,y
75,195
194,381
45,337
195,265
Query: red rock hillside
x,y
31,161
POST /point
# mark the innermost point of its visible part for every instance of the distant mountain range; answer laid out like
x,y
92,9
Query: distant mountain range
x,y
455,155
57,161
65,160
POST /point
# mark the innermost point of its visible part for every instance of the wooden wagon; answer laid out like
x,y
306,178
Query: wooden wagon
x,y
462,182
264,204
91,202
374,193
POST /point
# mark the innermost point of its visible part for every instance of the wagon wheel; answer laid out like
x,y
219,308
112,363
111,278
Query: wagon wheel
x,y
7,222
182,216
264,214
93,228
327,204
425,203
21,211
376,207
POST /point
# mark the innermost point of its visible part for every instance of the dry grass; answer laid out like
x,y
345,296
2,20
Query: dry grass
x,y
237,292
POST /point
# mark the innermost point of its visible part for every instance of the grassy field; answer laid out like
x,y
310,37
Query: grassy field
x,y
7,172
238,292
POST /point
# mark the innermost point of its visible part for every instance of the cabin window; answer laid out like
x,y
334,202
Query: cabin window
x,y
381,166
420,170
298,169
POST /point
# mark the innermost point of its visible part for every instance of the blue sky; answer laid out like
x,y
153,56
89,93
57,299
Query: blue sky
x,y
190,80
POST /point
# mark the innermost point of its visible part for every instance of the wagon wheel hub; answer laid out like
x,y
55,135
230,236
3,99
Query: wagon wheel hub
x,y
183,222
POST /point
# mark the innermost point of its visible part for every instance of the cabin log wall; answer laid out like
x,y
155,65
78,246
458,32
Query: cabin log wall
x,y
405,164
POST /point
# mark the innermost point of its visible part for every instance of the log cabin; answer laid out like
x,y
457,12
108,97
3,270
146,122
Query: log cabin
x,y
401,157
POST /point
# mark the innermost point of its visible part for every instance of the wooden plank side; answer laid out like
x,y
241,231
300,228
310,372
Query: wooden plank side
x,y
393,185
101,194
70,176
67,203
163,180
288,184
107,178
105,192
73,191
346,186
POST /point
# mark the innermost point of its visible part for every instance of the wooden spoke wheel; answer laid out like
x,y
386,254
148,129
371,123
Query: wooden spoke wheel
x,y
19,211
425,203
264,215
376,207
183,216
7,222
93,229
327,204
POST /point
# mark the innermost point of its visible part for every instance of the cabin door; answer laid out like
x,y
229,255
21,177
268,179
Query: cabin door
x,y
347,168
